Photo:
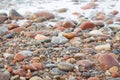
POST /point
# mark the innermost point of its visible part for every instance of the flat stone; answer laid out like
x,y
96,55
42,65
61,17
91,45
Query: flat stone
x,y
107,61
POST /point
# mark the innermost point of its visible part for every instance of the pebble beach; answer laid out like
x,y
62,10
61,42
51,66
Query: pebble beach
x,y
59,40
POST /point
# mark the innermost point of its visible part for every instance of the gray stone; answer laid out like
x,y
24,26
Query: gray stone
x,y
113,79
14,15
50,65
59,40
3,29
56,71
5,76
65,66
26,53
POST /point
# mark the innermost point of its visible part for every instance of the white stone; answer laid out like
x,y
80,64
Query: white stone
x,y
95,32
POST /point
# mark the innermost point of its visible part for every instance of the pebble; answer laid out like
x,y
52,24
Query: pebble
x,y
113,79
93,78
10,35
113,69
5,76
107,61
103,47
117,36
26,53
34,66
16,77
18,57
56,71
18,30
7,55
85,63
14,15
3,29
95,32
87,25
61,10
35,78
3,17
65,66
45,14
69,35
59,40
41,37
12,26
50,65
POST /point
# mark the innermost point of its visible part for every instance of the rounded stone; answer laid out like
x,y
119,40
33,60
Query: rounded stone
x,y
65,66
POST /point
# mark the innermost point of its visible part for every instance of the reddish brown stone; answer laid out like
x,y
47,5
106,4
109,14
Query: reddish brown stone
x,y
85,63
30,34
68,24
93,78
18,57
60,28
107,61
34,66
12,26
69,35
116,74
87,25
17,30
20,72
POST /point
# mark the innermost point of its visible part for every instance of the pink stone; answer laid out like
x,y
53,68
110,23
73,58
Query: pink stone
x,y
85,63
107,61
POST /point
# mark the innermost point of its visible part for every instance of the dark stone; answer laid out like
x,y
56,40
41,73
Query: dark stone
x,y
14,15
11,35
